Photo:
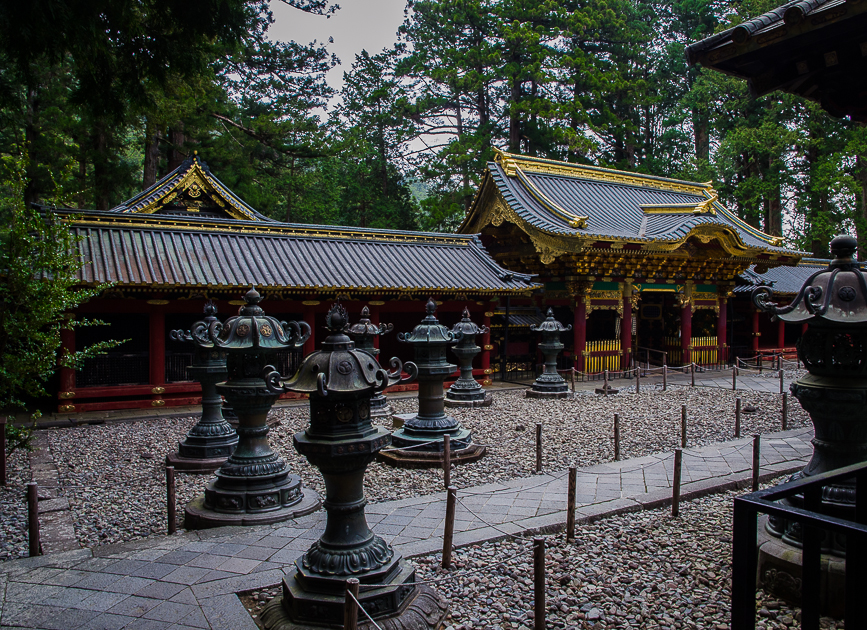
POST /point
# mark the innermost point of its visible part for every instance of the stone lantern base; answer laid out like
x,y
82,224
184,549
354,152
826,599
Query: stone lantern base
x,y
379,407
399,605
548,389
779,573
412,454
252,505
485,401
195,466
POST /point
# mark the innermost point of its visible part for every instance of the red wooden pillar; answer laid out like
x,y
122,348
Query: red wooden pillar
x,y
721,331
486,344
626,328
157,354
67,375
755,340
781,334
579,332
310,318
686,332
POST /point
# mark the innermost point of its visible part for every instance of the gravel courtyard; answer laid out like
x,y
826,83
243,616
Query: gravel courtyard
x,y
113,474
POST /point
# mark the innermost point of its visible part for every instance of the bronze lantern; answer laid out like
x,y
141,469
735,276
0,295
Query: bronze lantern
x,y
254,486
341,442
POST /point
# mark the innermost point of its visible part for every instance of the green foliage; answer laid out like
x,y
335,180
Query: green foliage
x,y
99,99
18,436
38,265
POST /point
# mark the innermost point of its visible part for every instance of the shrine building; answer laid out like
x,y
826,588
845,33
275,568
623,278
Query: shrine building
x,y
641,266
188,239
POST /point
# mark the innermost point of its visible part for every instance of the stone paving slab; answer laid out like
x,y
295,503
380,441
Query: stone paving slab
x,y
190,580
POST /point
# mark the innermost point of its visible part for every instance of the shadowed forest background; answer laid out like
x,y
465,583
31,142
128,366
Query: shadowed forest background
x,y
100,98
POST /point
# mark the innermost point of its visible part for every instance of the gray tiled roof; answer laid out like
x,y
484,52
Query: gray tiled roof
x,y
782,280
614,209
238,254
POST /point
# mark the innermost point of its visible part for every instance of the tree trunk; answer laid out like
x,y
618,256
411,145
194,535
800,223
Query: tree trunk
x,y
861,226
101,168
774,212
514,117
176,144
702,135
151,155
31,188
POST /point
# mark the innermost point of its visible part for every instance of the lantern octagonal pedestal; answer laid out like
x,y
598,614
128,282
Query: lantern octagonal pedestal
x,y
833,304
210,442
254,486
550,384
341,442
419,443
466,391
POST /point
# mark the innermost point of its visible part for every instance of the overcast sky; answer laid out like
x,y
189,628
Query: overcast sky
x,y
369,25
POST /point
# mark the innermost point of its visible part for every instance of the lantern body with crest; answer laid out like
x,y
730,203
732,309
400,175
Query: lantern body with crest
x,y
254,486
341,442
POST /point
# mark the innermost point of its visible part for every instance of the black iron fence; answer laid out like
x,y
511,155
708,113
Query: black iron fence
x,y
114,369
176,367
813,525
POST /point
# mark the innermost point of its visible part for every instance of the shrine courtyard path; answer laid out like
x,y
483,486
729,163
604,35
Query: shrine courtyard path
x,y
190,580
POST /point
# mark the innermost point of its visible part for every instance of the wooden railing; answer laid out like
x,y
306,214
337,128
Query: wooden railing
x,y
704,350
602,355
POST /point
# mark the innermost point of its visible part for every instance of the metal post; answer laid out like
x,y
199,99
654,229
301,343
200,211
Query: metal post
x,y
170,499
734,377
675,488
573,380
449,528
692,374
33,518
616,437
2,450
737,417
664,378
782,391
538,447
760,359
785,411
683,426
605,383
757,455
350,605
539,583
570,504
744,566
447,460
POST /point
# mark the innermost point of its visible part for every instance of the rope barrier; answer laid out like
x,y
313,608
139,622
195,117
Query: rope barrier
x,y
361,608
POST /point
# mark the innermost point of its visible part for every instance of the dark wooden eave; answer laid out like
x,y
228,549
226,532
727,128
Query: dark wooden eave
x,y
816,49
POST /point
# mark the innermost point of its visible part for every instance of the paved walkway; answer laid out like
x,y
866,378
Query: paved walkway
x,y
190,580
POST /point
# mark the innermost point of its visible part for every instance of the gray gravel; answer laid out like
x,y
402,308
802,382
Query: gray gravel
x,y
114,478
13,507
641,570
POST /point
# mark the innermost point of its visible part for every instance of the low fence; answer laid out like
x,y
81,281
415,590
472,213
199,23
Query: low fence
x,y
602,355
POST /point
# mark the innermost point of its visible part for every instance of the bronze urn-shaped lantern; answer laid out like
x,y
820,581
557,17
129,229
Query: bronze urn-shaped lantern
x,y
466,391
363,334
833,304
550,384
420,441
254,486
341,442
212,439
